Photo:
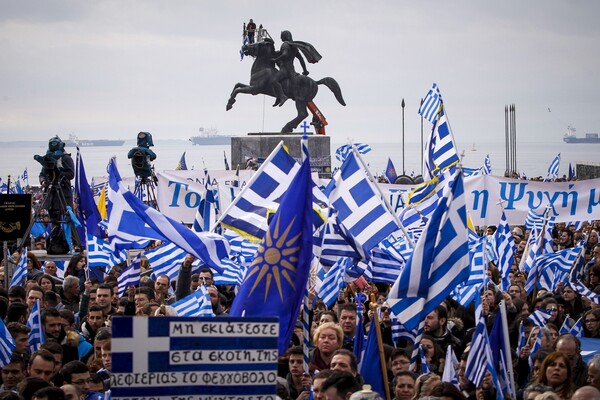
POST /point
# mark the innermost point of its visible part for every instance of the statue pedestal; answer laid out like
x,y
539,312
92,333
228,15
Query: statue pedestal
x,y
258,146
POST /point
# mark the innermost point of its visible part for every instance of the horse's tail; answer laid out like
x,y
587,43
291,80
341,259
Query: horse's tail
x,y
334,87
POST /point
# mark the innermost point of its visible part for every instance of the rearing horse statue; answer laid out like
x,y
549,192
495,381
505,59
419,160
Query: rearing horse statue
x,y
263,75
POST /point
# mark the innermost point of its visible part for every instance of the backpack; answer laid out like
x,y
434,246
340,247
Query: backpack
x,y
56,242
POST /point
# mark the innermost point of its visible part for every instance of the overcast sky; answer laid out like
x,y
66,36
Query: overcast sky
x,y
109,69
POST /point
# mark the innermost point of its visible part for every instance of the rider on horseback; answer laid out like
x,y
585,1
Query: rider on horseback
x,y
285,60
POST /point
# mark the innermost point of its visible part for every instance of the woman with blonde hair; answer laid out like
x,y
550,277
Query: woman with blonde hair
x,y
327,338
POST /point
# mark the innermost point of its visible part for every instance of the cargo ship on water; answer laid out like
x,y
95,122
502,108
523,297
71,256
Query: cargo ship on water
x,y
74,141
210,137
571,137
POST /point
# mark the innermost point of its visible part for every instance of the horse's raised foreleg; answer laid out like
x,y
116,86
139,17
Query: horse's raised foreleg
x,y
238,88
302,114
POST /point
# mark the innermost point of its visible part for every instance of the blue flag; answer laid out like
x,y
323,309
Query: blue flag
x,y
181,165
34,322
87,211
276,279
390,172
370,366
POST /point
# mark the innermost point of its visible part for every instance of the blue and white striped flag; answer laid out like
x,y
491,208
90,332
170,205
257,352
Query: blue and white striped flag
x,y
207,212
333,281
100,253
424,363
195,304
342,152
534,220
248,212
233,273
208,247
450,367
539,317
20,269
7,345
400,332
359,205
440,150
131,275
34,322
504,247
480,357
553,168
440,260
577,328
166,260
487,166
431,104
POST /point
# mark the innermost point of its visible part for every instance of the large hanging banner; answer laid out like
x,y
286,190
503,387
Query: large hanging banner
x,y
179,194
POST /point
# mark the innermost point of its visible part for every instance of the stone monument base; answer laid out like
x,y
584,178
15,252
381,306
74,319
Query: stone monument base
x,y
257,147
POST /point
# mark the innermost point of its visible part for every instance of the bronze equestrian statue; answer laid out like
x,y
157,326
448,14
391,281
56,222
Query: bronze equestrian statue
x,y
284,83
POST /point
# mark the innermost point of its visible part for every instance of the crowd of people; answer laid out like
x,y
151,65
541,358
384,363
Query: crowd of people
x,y
74,361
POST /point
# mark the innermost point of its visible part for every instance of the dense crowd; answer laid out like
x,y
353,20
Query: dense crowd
x,y
74,361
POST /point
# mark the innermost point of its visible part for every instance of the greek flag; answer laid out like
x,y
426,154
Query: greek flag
x,y
100,253
480,357
25,176
534,220
539,317
359,206
553,267
430,106
400,332
207,208
333,281
553,168
487,166
335,242
195,304
36,335
208,247
342,152
247,214
233,273
131,275
440,260
166,259
385,267
450,367
20,269
440,151
7,345
424,363
504,247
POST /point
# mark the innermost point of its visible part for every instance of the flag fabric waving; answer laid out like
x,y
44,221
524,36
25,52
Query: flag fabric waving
x,y
440,260
553,168
431,104
7,344
276,279
440,151
34,322
390,172
131,275
359,205
208,247
247,214
20,269
181,165
343,151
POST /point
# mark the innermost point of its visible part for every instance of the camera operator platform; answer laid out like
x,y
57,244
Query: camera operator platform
x,y
146,180
57,172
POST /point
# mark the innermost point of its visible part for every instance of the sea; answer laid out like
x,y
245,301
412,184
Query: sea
x,y
533,158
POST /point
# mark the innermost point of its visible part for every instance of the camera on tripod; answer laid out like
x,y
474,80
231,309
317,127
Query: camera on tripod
x,y
141,156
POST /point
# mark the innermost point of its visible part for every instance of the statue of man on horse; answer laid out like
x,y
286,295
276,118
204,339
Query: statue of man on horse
x,y
284,82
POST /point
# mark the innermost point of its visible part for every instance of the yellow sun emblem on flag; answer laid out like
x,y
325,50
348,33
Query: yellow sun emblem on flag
x,y
276,259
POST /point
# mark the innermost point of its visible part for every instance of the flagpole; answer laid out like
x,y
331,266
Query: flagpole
x,y
306,300
385,200
251,181
403,157
507,350
421,140
375,320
